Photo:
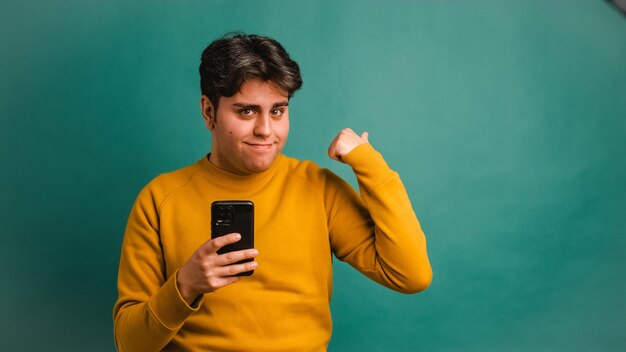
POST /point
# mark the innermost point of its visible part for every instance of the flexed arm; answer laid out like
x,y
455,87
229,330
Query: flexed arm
x,y
378,233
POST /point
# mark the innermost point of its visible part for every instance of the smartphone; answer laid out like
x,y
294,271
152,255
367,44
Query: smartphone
x,y
228,216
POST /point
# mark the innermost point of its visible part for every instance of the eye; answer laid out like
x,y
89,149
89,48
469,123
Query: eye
x,y
277,112
246,112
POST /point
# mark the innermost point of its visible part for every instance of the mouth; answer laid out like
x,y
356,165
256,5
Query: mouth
x,y
260,145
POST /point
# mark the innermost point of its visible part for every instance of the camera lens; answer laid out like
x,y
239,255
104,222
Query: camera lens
x,y
225,214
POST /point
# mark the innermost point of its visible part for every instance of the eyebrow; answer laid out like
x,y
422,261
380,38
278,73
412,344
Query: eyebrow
x,y
258,107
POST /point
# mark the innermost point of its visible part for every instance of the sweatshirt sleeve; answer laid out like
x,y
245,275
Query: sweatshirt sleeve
x,y
150,309
377,233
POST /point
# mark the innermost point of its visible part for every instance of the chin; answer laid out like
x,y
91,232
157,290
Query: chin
x,y
261,165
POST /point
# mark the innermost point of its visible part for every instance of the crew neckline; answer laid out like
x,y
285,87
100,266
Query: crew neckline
x,y
223,176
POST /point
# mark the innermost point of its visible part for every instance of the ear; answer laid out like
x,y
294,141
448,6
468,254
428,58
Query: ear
x,y
208,112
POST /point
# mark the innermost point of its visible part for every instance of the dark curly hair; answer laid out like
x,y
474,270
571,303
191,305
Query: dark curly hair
x,y
231,60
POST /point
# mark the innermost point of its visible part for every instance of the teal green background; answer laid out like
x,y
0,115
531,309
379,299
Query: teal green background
x,y
506,121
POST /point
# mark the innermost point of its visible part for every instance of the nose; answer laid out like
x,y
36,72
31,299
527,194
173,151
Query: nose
x,y
263,126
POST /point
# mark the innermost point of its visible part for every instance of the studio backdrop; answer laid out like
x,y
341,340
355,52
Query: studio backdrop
x,y
505,119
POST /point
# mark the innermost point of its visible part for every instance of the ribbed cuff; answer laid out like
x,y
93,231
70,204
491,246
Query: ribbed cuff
x,y
369,167
169,307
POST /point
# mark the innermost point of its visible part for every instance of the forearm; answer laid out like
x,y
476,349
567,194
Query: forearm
x,y
401,259
395,253
150,325
136,329
149,310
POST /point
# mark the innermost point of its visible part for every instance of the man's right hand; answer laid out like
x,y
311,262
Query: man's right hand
x,y
206,271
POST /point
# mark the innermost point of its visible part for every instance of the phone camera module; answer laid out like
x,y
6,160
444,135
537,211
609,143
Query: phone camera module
x,y
225,215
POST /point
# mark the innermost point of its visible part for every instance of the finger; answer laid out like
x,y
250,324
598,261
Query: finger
x,y
232,257
332,144
215,244
225,281
235,269
332,153
231,280
332,149
365,136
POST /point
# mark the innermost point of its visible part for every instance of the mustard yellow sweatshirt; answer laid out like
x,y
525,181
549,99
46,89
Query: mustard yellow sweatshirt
x,y
303,215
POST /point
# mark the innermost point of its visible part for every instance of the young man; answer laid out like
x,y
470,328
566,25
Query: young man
x,y
177,293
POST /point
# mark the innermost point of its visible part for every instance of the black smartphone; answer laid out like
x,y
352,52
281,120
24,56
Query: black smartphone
x,y
228,216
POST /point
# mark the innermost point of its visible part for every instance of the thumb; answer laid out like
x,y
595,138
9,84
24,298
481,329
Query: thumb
x,y
365,136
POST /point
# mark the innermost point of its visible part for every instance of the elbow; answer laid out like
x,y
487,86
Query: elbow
x,y
418,282
119,345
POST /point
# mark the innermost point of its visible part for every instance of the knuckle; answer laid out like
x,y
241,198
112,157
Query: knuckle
x,y
211,248
218,242
208,270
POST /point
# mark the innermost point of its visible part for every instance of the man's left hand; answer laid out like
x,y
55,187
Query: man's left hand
x,y
345,142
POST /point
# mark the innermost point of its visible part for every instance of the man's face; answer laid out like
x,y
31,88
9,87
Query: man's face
x,y
249,129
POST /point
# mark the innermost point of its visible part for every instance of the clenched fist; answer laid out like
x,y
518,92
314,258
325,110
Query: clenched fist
x,y
345,142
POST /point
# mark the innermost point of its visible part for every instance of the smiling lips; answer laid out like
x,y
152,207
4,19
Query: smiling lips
x,y
260,145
